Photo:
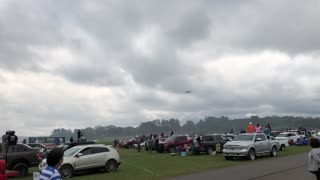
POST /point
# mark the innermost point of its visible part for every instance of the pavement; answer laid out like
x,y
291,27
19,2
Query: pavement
x,y
279,168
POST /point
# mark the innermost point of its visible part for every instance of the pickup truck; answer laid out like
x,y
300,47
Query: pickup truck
x,y
23,158
250,145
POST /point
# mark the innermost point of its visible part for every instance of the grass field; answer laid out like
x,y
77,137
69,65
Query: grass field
x,y
139,166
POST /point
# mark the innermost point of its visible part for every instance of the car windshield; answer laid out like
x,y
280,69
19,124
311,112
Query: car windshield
x,y
244,138
70,152
170,139
282,135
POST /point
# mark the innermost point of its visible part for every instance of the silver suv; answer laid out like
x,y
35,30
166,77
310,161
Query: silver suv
x,y
87,157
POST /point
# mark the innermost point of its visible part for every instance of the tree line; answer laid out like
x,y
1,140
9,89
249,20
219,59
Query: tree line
x,y
203,126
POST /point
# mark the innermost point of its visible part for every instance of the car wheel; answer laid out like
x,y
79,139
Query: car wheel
x,y
111,166
228,157
282,147
210,150
66,171
274,151
252,154
22,168
171,149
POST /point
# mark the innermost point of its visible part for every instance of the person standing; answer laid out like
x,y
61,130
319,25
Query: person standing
x,y
54,161
258,128
4,143
269,127
71,139
267,131
250,128
172,133
79,135
12,141
314,158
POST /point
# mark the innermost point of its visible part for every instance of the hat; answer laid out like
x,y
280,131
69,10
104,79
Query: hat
x,y
250,123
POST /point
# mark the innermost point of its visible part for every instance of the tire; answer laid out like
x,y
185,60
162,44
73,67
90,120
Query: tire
x,y
209,150
228,157
252,154
171,149
274,151
111,166
282,147
22,168
66,171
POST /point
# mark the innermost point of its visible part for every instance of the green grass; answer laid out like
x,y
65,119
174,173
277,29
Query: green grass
x,y
139,166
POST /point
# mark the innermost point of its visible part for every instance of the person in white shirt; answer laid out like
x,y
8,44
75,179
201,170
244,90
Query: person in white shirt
x,y
314,157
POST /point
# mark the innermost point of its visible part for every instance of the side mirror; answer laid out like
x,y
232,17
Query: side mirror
x,y
79,155
258,139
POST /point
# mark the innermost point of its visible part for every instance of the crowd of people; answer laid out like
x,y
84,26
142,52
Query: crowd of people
x,y
258,129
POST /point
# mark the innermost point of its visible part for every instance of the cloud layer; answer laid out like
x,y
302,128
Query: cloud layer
x,y
85,63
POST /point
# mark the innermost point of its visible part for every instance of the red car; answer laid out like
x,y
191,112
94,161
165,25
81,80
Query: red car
x,y
172,142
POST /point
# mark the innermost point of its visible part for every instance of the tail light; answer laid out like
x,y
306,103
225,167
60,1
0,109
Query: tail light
x,y
39,156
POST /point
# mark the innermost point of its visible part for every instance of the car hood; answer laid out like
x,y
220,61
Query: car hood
x,y
239,143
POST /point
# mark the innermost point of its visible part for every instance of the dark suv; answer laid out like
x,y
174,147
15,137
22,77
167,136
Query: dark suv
x,y
23,158
208,143
71,145
172,142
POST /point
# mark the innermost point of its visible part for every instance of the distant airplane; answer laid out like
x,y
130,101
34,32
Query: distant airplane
x,y
188,92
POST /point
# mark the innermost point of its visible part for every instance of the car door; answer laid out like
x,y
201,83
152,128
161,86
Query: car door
x,y
85,160
100,156
181,141
264,143
258,145
220,140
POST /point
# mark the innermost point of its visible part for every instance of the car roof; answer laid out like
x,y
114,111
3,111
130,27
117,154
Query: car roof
x,y
251,133
93,145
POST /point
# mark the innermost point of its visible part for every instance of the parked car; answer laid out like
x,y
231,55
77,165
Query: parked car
x,y
73,144
228,137
86,157
129,143
23,158
288,136
39,146
300,133
275,133
250,145
172,142
208,144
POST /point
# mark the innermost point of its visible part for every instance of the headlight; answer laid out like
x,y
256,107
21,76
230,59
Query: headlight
x,y
244,147
43,164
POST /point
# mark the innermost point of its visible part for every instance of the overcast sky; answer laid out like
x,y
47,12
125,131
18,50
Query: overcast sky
x,y
75,63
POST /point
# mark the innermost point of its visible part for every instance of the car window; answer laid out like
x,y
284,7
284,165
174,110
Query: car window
x,y
86,151
218,138
100,150
71,152
22,147
181,138
207,138
263,138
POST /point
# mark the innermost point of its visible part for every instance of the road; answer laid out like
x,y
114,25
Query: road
x,y
281,168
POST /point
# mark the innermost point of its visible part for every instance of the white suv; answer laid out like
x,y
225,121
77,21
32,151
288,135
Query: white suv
x,y
87,157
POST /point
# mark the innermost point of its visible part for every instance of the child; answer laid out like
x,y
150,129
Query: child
x,y
314,157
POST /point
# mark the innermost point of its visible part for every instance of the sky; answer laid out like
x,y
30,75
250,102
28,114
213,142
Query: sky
x,y
80,63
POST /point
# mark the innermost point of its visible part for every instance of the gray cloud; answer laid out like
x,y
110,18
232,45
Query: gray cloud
x,y
123,63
